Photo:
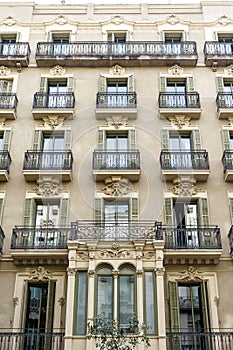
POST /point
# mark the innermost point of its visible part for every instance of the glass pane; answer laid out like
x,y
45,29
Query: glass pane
x,y
81,303
1,143
150,302
126,300
104,296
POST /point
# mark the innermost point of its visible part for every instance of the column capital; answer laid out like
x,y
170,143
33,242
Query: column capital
x,y
71,271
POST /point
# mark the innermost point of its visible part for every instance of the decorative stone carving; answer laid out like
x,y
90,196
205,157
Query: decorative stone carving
x,y
175,70
230,119
184,187
91,273
224,20
57,70
82,256
117,70
115,273
117,186
229,70
191,275
9,21
139,272
117,19
92,253
4,71
48,187
116,122
216,300
41,274
149,255
61,301
61,19
179,121
111,254
139,252
172,19
160,271
52,121
71,271
15,300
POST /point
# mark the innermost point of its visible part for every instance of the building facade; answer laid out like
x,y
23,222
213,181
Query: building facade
x,y
116,196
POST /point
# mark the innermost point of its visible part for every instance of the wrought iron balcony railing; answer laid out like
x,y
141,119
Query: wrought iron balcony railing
x,y
190,237
100,49
19,340
230,237
116,100
218,48
14,49
116,160
54,100
224,100
46,237
109,230
48,160
227,160
179,100
5,161
186,340
196,160
2,236
8,101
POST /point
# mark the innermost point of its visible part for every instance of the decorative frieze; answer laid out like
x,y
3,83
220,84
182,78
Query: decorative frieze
x,y
185,186
57,71
41,274
116,186
175,70
179,121
48,187
191,275
117,70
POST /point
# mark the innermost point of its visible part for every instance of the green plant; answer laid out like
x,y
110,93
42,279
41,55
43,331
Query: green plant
x,y
109,334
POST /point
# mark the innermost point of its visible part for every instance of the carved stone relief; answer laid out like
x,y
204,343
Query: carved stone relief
x,y
57,70
41,274
191,275
117,186
184,187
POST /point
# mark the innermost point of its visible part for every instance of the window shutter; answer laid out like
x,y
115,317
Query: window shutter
x,y
231,208
1,209
18,37
205,314
49,36
190,84
196,139
134,209
25,304
6,85
174,309
203,212
127,36
70,84
101,139
67,139
29,212
220,84
162,36
226,140
63,212
168,211
215,36
102,83
165,139
6,140
184,36
98,211
131,83
49,313
37,140
43,84
163,84
132,139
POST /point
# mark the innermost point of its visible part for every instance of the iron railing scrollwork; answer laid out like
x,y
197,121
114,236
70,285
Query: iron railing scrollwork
x,y
2,236
14,49
196,160
116,100
8,100
190,237
116,160
230,237
44,237
179,100
108,49
5,161
224,100
48,160
54,100
218,48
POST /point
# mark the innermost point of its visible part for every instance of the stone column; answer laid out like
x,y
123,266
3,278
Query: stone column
x,y
115,289
71,271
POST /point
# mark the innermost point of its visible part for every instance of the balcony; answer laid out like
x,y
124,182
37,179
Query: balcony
x,y
191,245
122,163
99,54
47,245
61,104
39,163
218,52
227,161
108,104
230,237
171,104
8,105
200,340
5,161
176,163
12,54
2,236
112,231
224,103
18,340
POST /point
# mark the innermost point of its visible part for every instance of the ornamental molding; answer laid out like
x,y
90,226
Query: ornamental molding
x,y
230,120
4,71
92,253
160,271
117,70
139,253
216,301
15,300
179,121
224,20
9,21
116,122
61,20
229,70
191,275
48,187
71,271
82,256
113,254
117,20
184,187
53,122
172,19
116,186
41,274
57,71
61,301
175,70
149,255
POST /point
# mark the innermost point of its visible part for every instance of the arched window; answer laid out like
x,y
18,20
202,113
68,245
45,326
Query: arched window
x,y
104,305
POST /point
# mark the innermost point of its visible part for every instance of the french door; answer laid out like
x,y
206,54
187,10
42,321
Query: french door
x,y
116,218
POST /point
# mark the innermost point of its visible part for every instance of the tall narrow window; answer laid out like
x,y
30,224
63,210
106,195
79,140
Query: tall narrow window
x,y
104,307
81,316
149,288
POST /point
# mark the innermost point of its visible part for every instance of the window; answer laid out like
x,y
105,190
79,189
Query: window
x,y
60,43
112,140
81,313
225,43
225,92
7,42
189,314
117,40
126,285
57,93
